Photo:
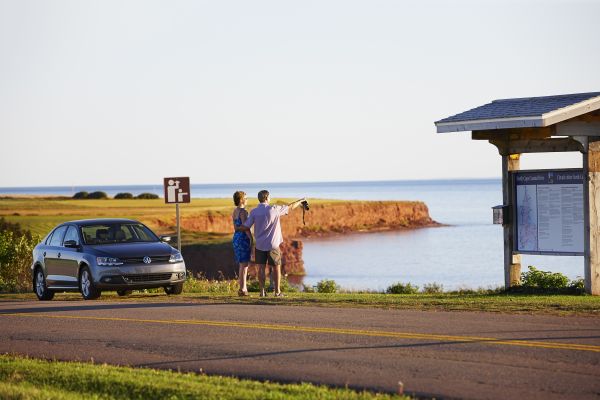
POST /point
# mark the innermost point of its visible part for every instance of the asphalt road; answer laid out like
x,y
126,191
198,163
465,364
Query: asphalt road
x,y
441,354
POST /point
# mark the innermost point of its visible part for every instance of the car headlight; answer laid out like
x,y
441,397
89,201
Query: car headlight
x,y
108,261
177,257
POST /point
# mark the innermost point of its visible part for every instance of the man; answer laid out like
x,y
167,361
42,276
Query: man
x,y
268,237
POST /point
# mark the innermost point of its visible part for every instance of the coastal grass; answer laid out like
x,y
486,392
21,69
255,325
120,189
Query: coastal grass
x,y
40,214
26,378
226,292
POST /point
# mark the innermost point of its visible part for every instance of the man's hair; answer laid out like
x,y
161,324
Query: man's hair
x,y
238,196
262,195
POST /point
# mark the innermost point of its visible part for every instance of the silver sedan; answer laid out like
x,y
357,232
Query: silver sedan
x,y
105,254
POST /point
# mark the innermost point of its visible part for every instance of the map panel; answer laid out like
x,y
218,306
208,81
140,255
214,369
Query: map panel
x,y
549,211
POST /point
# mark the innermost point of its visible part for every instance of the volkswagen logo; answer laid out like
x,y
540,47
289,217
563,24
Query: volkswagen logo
x,y
147,260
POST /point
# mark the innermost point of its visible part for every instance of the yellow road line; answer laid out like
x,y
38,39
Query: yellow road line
x,y
341,331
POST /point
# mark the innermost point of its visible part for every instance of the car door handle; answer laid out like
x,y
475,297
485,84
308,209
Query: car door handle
x,y
58,255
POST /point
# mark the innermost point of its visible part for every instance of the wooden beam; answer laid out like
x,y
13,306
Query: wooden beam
x,y
578,128
512,262
507,147
591,210
514,134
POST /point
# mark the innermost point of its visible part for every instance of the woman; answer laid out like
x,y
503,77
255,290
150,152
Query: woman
x,y
242,240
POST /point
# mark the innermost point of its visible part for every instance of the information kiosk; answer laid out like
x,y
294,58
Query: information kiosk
x,y
554,212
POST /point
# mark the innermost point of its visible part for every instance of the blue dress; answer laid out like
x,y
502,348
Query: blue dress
x,y
241,243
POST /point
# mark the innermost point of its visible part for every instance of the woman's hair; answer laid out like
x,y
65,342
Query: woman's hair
x,y
238,196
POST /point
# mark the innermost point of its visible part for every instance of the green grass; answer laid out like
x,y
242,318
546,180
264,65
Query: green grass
x,y
226,292
40,214
25,378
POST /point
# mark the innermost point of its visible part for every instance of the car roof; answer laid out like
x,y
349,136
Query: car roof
x,y
85,222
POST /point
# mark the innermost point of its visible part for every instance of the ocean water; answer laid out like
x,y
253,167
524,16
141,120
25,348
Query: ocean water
x,y
467,253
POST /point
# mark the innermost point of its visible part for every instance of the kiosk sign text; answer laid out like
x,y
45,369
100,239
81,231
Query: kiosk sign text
x,y
549,211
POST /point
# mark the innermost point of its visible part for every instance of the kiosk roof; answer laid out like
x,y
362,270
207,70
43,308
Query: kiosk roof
x,y
521,112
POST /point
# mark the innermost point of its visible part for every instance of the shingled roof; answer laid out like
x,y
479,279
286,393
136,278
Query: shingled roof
x,y
523,112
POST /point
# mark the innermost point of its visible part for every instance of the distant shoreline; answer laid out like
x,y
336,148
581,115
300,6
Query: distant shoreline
x,y
225,188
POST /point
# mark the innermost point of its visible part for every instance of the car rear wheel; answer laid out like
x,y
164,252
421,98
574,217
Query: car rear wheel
x,y
124,292
174,289
86,285
39,284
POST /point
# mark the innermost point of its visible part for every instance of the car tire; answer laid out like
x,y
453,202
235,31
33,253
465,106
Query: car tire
x,y
124,292
174,289
39,285
86,285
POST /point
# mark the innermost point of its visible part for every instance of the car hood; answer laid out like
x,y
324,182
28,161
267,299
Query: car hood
x,y
123,250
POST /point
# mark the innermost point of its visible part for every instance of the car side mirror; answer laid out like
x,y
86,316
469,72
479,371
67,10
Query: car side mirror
x,y
71,244
165,238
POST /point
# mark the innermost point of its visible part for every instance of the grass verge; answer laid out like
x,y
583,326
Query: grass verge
x,y
562,305
25,378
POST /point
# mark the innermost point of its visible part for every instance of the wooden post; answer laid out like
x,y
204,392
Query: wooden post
x,y
591,210
512,262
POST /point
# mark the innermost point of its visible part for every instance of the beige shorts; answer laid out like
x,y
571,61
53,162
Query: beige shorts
x,y
272,257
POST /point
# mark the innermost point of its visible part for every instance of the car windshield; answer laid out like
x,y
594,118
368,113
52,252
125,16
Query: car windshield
x,y
126,232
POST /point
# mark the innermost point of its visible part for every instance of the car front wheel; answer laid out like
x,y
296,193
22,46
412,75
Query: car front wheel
x,y
39,283
174,289
86,285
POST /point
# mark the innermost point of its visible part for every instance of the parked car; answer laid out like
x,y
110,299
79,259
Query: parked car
x,y
105,254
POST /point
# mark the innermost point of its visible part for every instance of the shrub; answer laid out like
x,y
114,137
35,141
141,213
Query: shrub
x,y
81,195
202,285
577,285
123,196
402,288
16,260
147,196
327,286
97,195
536,279
432,288
253,285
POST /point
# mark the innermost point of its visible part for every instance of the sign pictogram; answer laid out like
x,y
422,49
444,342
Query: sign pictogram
x,y
177,190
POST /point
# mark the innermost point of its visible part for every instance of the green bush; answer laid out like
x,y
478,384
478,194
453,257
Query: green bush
x,y
327,286
253,285
536,279
120,196
97,195
433,288
402,288
81,195
15,261
147,196
578,285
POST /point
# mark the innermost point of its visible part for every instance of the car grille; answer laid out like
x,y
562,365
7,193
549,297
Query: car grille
x,y
146,277
140,260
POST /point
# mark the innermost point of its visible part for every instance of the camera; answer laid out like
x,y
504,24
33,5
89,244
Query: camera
x,y
305,205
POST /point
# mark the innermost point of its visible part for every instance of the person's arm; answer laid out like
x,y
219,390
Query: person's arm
x,y
244,218
296,203
247,223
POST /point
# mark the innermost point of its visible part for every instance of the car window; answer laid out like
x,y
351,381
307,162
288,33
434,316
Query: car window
x,y
57,236
49,238
72,235
116,233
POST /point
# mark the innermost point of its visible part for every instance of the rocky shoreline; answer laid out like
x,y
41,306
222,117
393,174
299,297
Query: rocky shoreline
x,y
216,261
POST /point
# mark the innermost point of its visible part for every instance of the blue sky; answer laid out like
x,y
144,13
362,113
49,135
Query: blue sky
x,y
127,92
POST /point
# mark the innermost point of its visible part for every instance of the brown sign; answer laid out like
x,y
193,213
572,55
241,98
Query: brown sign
x,y
177,190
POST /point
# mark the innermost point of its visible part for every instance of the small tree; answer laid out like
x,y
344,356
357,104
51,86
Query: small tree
x,y
81,195
147,196
97,195
123,196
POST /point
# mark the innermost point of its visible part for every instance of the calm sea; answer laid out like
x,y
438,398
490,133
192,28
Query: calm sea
x,y
465,254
